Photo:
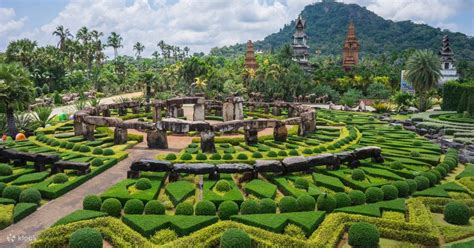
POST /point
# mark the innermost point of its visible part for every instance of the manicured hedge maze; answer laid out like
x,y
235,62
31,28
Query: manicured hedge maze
x,y
400,197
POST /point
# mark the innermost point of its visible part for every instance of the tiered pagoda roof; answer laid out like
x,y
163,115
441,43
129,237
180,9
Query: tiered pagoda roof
x,y
446,53
250,61
350,55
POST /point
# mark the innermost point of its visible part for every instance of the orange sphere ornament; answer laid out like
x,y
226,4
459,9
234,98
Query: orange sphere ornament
x,y
20,137
4,137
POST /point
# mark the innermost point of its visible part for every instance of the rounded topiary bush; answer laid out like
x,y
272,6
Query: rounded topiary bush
x,y
301,183
257,155
84,149
249,206
358,174
417,143
2,187
390,192
242,156
186,156
403,188
112,207
306,202
30,195
96,162
457,213
216,156
205,208
422,182
437,174
5,170
12,192
363,234
441,170
415,154
412,185
86,238
227,209
143,184
396,165
288,204
108,152
227,156
171,156
293,152
267,206
357,197
91,202
431,177
154,207
201,156
235,238
342,200
97,151
60,178
307,151
272,154
69,145
184,208
282,153
133,206
326,203
373,194
223,186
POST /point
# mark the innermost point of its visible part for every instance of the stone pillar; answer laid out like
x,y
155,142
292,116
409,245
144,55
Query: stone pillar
x,y
122,111
78,128
280,132
238,108
136,110
120,135
172,111
106,112
156,139
207,142
266,109
198,113
228,111
180,112
276,111
251,136
89,132
156,114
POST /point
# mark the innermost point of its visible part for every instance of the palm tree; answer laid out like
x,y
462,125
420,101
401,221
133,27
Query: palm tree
x,y
138,47
21,51
16,89
63,34
423,72
83,35
186,51
156,55
162,45
115,41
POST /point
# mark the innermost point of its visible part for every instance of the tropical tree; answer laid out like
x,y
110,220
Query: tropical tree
x,y
138,47
115,41
16,89
43,115
63,34
423,72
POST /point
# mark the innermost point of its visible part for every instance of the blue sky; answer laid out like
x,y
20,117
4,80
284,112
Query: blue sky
x,y
200,24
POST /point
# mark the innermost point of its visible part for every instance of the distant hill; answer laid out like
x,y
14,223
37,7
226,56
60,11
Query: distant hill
x,y
326,27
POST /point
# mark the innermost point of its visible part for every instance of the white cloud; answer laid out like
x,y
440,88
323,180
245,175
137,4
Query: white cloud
x,y
9,24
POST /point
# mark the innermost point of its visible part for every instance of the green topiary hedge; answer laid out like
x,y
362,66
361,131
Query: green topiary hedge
x,y
357,197
184,208
201,156
326,203
205,208
363,234
154,207
267,206
403,188
223,186
112,207
5,170
60,178
96,162
457,213
227,209
412,185
30,195
86,238
12,192
91,202
249,206
390,192
422,182
108,152
97,151
186,156
288,204
358,174
301,183
342,200
306,203
133,206
235,238
171,156
452,94
373,194
143,184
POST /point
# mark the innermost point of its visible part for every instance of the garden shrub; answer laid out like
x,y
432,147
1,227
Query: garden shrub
x,y
55,143
293,152
170,156
402,187
223,186
60,178
108,152
412,185
282,153
417,143
442,171
216,156
390,192
431,177
363,234
69,145
294,231
380,140
457,213
112,207
422,182
84,149
307,151
186,156
133,206
397,127
154,207
30,195
396,165
242,156
301,183
86,237
257,155
272,154
306,203
227,156
326,203
205,207
250,206
373,194
267,206
227,209
12,192
92,202
2,187
357,197
342,200
437,174
201,156
164,236
184,208
415,154
316,150
358,174
143,184
5,170
96,162
97,151
235,238
288,204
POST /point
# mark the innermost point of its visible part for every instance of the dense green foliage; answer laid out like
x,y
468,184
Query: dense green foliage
x,y
133,206
91,202
112,207
457,213
363,235
235,238
86,238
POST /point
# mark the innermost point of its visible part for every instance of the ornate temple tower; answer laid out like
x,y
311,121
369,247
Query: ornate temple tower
x,y
300,47
350,54
250,61
448,71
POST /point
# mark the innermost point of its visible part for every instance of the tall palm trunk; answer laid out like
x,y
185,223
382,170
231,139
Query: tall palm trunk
x,y
11,121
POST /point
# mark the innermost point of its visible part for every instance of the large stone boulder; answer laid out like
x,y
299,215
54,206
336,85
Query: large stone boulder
x,y
207,142
280,132
251,136
294,164
156,139
151,165
198,168
323,159
268,166
234,168
367,152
